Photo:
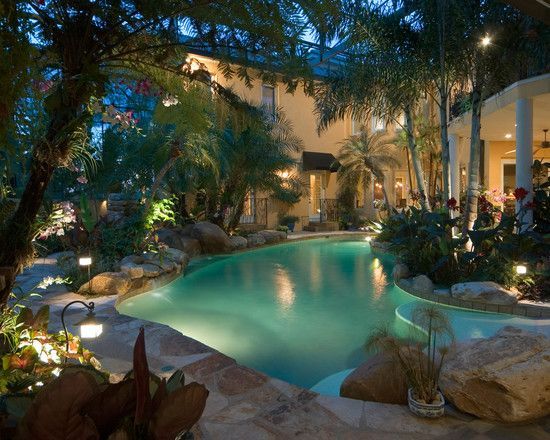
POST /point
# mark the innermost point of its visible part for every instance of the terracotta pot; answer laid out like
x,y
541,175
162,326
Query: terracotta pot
x,y
426,410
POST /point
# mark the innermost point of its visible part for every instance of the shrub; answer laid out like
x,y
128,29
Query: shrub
x,y
288,219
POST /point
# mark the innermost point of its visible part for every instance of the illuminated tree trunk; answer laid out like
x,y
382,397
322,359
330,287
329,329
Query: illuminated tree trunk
x,y
417,165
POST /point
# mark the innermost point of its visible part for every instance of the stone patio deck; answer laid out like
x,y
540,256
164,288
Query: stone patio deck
x,y
245,404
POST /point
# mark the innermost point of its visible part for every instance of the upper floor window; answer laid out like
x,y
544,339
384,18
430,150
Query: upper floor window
x,y
400,122
268,98
355,126
378,123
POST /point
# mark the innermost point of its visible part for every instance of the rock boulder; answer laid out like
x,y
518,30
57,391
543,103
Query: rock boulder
x,y
422,284
484,291
379,379
238,242
504,378
400,271
211,237
108,283
272,236
254,240
133,270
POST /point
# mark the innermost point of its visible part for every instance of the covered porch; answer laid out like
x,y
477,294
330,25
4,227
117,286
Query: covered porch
x,y
514,133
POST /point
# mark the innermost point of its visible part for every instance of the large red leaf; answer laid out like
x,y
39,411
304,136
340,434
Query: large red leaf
x,y
141,377
178,412
159,395
55,413
110,406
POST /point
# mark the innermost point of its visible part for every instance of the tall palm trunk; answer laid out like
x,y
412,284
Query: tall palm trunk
x,y
409,169
445,168
417,165
473,166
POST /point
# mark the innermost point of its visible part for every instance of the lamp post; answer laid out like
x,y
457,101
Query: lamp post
x,y
87,261
90,326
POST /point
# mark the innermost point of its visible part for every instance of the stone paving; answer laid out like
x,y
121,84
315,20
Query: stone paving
x,y
245,404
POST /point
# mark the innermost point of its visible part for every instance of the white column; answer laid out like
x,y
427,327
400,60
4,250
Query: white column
x,y
524,152
454,166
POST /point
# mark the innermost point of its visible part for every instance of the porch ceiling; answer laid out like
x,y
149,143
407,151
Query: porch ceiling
x,y
498,115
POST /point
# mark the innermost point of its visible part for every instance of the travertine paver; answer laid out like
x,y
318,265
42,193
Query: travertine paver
x,y
247,405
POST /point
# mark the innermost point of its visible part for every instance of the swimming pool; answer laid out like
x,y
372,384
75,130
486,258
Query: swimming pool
x,y
299,311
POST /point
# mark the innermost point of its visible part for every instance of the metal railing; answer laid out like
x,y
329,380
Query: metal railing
x,y
328,210
255,211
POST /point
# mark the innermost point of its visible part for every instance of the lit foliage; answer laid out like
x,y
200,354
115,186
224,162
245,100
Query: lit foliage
x,y
32,357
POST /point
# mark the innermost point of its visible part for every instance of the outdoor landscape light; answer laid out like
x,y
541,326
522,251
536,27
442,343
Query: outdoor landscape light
x,y
90,326
521,269
485,41
85,261
508,136
368,238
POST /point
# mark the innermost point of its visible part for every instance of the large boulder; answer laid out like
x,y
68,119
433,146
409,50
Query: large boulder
x,y
484,291
151,270
504,378
177,256
133,270
272,236
420,284
162,261
379,379
178,238
238,242
400,271
211,237
108,283
254,240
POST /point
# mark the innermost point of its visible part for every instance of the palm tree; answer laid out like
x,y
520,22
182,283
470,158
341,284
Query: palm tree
x,y
383,77
363,156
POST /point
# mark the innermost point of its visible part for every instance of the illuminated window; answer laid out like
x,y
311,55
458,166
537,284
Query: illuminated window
x,y
268,98
378,124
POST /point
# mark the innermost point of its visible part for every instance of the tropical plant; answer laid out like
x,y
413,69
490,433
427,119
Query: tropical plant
x,y
363,156
132,38
141,406
420,361
254,155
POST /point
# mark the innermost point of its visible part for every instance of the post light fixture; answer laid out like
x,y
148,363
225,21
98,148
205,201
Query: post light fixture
x,y
521,269
86,261
90,326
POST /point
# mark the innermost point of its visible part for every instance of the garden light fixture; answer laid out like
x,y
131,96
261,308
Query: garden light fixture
x,y
521,269
90,326
87,262
486,40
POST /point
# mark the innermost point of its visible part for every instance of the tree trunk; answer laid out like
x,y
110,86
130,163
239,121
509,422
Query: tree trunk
x,y
66,118
473,166
411,186
17,235
445,168
417,165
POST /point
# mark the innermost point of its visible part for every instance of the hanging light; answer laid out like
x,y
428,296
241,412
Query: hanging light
x,y
90,326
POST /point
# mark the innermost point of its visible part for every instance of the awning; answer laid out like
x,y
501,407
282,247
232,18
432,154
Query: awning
x,y
313,161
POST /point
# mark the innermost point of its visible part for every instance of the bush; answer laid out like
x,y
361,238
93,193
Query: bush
x,y
288,219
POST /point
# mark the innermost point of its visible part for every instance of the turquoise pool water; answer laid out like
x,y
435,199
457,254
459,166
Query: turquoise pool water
x,y
300,311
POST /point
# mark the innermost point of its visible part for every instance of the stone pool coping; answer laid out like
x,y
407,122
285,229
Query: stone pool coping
x,y
524,308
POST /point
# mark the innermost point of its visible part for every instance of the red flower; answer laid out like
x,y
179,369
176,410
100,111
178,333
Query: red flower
x,y
451,204
520,193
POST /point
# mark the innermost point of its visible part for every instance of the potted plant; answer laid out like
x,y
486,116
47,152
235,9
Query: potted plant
x,y
420,360
289,221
